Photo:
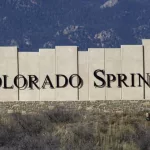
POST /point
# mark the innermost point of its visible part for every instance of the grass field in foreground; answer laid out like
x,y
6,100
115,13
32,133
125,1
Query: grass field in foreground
x,y
65,129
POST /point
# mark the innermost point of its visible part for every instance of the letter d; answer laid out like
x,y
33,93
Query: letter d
x,y
58,81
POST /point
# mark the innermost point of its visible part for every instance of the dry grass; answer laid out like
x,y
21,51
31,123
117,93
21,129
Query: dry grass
x,y
62,129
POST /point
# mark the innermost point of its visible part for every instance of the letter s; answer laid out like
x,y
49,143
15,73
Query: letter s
x,y
99,78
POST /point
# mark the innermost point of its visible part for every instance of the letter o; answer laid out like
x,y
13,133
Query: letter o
x,y
80,81
1,82
17,78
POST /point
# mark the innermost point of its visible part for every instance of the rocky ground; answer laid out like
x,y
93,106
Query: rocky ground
x,y
100,125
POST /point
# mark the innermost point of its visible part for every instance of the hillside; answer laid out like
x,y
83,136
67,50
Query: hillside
x,y
74,129
34,24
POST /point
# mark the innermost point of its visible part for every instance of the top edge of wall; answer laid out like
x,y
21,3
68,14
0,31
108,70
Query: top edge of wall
x,y
82,51
96,48
66,46
131,46
28,51
112,48
8,47
49,49
145,41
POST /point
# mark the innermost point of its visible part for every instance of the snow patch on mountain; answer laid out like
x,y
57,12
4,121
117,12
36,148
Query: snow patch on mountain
x,y
104,35
13,42
70,29
27,41
109,3
107,37
49,44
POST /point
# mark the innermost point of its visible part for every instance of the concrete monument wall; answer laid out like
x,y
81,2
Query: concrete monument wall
x,y
9,67
146,44
29,65
113,66
96,61
66,64
67,60
47,67
132,62
83,71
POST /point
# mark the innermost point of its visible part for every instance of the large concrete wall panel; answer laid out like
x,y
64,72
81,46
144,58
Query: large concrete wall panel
x,y
9,67
66,64
84,74
146,44
113,66
29,65
132,62
47,67
96,61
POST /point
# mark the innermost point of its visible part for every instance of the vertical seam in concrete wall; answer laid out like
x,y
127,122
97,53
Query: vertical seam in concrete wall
x,y
55,73
88,72
18,73
143,72
121,67
105,72
88,76
39,75
77,71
